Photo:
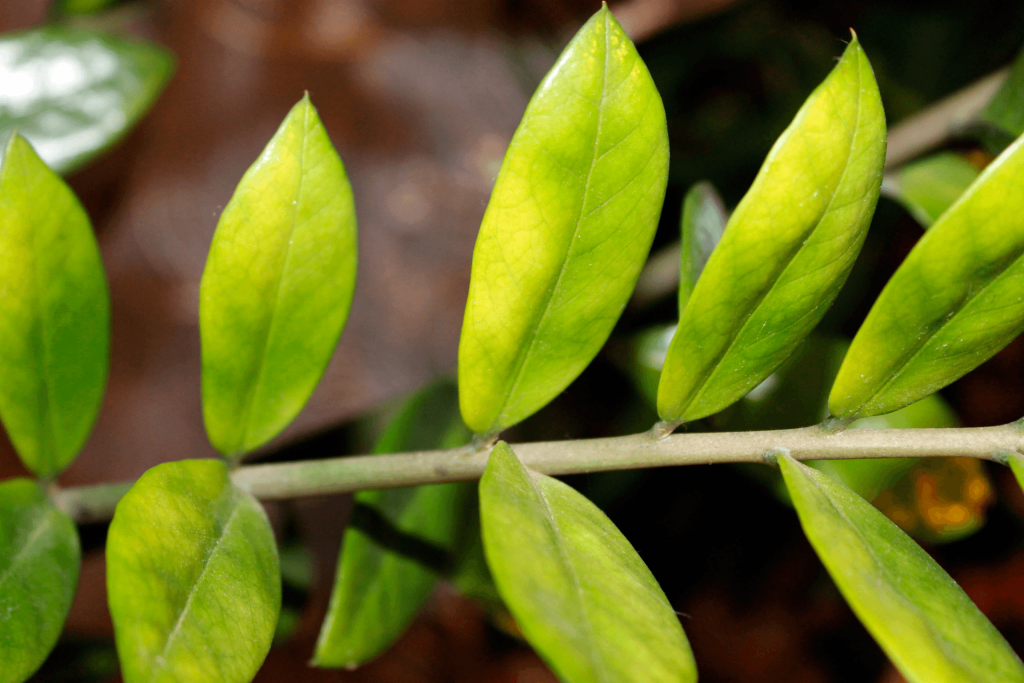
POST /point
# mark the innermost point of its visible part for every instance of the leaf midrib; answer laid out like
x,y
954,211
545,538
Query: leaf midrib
x,y
46,524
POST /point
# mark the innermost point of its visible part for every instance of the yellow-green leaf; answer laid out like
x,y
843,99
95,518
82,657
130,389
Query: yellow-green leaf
x,y
54,314
278,285
567,230
787,248
926,188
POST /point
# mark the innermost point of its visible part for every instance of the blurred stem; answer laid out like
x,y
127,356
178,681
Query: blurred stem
x,y
354,473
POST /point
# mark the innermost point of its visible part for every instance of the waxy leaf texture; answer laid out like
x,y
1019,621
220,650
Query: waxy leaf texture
x,y
787,248
567,229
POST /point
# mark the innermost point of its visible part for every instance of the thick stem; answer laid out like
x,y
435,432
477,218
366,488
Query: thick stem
x,y
342,475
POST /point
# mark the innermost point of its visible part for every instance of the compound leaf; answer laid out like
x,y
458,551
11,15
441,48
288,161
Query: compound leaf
x,y
701,228
928,187
54,314
398,542
953,303
923,620
567,229
580,593
73,92
787,248
192,577
39,563
277,286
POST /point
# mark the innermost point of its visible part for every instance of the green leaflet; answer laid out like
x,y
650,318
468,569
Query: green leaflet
x,y
580,593
74,92
192,577
54,314
567,230
39,562
953,303
701,228
1005,110
927,625
398,542
1015,461
928,187
277,286
787,248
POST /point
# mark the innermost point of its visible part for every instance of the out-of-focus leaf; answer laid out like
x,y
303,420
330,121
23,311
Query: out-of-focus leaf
x,y
928,187
84,6
54,314
787,248
72,93
927,625
567,230
953,303
277,286
192,577
581,595
701,228
399,540
1005,110
39,562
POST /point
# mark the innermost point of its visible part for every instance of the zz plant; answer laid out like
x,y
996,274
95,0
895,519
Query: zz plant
x,y
192,566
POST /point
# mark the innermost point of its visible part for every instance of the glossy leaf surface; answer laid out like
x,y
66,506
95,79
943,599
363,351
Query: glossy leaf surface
x,y
54,314
953,303
581,595
567,229
701,228
39,563
398,542
278,285
787,248
926,624
928,187
73,92
192,577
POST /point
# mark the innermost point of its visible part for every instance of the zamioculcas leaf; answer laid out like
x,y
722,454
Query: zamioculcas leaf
x,y
581,595
787,248
398,542
927,625
1005,110
953,303
567,230
277,286
928,187
702,225
192,577
54,314
39,561
73,93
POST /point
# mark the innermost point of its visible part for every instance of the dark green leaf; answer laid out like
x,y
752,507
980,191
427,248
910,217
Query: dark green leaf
x,y
54,314
398,542
567,229
192,577
953,303
1005,110
701,228
73,93
787,248
277,286
927,625
928,187
580,593
39,562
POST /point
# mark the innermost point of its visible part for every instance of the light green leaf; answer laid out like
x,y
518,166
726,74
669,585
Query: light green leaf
x,y
926,624
1005,110
54,314
787,248
73,92
39,562
192,577
953,303
701,228
84,6
1015,461
278,285
398,542
567,230
928,187
581,595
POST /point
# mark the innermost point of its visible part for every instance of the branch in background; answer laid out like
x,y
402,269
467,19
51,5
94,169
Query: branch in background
x,y
347,474
644,19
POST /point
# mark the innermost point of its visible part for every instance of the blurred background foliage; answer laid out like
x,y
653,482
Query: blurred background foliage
x,y
421,97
